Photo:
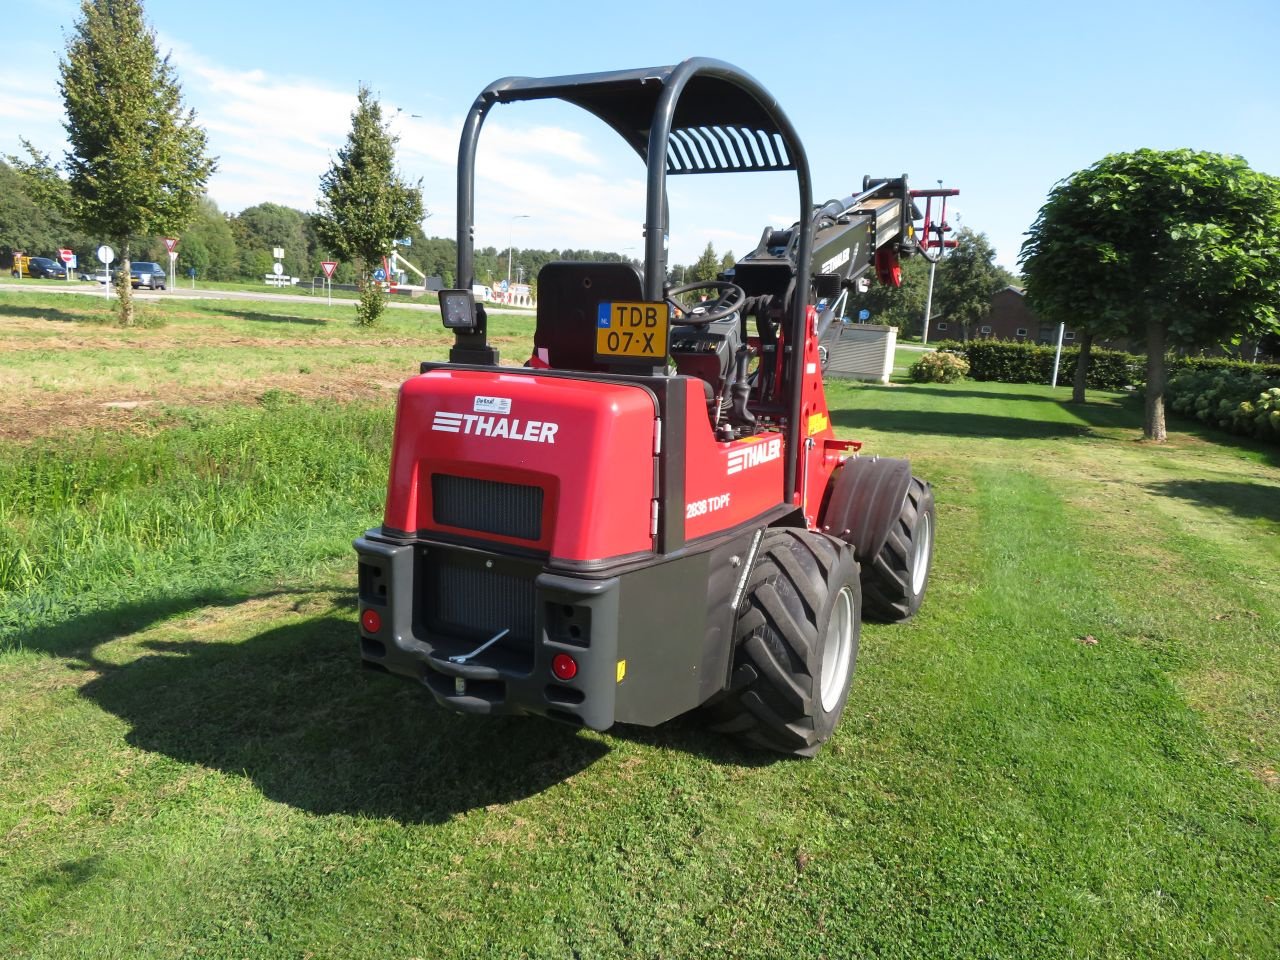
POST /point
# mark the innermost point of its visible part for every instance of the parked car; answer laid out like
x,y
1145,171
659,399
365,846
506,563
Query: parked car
x,y
41,267
143,273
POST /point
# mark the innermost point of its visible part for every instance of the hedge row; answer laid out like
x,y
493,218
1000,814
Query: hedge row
x,y
1009,362
1013,362
1243,402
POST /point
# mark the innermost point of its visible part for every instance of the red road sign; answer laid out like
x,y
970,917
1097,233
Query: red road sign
x,y
328,266
170,243
66,255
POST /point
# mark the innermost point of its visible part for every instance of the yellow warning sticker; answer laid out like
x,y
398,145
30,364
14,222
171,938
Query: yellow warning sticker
x,y
622,670
817,423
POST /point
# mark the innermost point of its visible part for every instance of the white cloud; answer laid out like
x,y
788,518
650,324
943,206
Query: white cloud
x,y
275,135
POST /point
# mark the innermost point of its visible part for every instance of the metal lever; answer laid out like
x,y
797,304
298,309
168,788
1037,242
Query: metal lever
x,y
463,658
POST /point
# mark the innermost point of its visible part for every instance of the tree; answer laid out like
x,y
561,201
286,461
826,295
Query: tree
x,y
901,307
364,203
26,224
1179,246
967,279
137,164
209,245
708,265
259,229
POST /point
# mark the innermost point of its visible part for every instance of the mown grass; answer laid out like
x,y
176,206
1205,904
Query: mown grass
x,y
192,764
63,359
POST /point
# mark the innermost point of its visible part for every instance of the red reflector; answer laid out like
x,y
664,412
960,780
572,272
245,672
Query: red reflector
x,y
564,666
371,621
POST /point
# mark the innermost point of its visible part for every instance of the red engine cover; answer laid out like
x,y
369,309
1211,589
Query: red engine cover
x,y
589,447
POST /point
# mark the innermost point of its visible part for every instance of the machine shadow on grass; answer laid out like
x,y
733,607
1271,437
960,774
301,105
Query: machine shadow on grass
x,y
290,709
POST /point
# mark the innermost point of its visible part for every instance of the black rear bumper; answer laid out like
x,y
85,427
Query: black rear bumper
x,y
649,643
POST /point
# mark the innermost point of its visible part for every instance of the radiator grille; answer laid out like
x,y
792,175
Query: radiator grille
x,y
471,604
483,601
488,506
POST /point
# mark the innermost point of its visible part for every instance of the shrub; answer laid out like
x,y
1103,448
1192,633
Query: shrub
x,y
1245,401
372,302
1174,364
939,367
1015,362
1008,362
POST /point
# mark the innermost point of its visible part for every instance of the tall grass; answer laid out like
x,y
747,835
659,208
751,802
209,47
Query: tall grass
x,y
230,496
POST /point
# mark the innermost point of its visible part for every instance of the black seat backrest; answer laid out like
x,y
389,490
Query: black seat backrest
x,y
569,295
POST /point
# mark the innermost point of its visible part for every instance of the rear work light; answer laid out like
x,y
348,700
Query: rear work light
x,y
371,622
564,667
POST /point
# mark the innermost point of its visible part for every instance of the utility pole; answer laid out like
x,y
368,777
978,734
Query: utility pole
x,y
928,302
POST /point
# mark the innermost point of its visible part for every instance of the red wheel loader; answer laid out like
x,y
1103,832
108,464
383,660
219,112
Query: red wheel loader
x,y
653,514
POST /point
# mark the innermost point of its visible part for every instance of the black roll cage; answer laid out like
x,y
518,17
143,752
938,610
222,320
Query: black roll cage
x,y
698,116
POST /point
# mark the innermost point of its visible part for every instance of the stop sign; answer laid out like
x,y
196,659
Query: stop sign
x,y
66,255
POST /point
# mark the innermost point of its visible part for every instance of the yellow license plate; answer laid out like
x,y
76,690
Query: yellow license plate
x,y
632,330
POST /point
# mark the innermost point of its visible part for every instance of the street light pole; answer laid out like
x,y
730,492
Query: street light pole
x,y
940,229
510,228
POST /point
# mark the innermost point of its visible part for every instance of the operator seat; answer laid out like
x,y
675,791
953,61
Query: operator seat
x,y
569,295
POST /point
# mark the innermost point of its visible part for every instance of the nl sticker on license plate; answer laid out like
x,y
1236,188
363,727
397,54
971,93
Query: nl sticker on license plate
x,y
632,330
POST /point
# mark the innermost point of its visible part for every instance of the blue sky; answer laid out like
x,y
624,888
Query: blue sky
x,y
998,99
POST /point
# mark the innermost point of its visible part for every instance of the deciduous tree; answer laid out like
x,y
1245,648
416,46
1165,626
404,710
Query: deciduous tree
x,y
901,307
25,224
264,226
967,279
209,246
1179,246
138,163
364,203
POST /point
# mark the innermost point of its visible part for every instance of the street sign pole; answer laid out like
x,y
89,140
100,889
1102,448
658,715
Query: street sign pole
x,y
105,256
328,266
171,244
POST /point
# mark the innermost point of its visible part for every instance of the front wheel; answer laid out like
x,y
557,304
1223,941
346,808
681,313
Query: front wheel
x,y
894,581
796,643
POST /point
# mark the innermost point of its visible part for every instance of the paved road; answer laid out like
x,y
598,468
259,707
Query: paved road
x,y
92,289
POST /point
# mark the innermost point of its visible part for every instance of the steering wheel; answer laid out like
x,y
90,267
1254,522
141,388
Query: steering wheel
x,y
730,299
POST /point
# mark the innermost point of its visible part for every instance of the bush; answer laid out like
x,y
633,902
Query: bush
x,y
372,302
1008,362
939,367
1174,364
1246,402
1014,362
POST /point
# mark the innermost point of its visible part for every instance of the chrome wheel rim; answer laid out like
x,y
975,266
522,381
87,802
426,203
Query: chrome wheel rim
x,y
920,552
837,650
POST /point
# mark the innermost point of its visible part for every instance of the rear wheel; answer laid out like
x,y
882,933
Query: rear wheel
x,y
894,582
796,642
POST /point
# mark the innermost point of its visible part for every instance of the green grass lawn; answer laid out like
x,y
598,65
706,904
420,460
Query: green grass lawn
x,y
1071,752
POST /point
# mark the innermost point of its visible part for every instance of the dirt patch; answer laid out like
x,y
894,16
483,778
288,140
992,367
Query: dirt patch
x,y
54,415
195,337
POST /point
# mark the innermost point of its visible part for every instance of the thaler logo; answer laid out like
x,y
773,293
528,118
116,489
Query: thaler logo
x,y
531,431
754,455
839,260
